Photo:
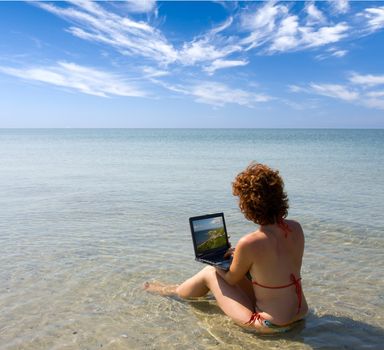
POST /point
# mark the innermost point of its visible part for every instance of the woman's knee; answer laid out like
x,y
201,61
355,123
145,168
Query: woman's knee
x,y
181,292
206,274
209,275
196,286
191,291
209,270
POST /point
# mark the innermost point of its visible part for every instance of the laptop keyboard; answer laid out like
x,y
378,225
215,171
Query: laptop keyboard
x,y
216,258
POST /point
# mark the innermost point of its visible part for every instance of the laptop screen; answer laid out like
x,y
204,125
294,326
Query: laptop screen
x,y
209,233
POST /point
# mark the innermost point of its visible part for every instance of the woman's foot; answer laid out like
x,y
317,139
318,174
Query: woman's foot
x,y
161,288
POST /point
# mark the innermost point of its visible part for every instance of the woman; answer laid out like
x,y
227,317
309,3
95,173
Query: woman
x,y
262,289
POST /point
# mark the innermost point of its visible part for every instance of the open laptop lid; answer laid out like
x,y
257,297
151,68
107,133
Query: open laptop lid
x,y
209,234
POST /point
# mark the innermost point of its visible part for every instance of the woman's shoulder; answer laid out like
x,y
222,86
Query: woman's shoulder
x,y
248,244
295,228
253,238
293,224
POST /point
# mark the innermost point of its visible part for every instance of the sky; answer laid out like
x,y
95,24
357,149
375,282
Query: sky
x,y
196,64
208,224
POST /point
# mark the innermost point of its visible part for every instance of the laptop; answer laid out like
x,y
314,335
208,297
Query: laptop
x,y
210,240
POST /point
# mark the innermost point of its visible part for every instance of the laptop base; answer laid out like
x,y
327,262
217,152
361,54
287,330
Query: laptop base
x,y
223,264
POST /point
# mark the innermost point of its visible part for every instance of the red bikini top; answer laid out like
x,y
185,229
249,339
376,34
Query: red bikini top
x,y
295,282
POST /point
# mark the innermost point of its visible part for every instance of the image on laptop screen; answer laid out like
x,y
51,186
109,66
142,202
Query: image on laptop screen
x,y
209,234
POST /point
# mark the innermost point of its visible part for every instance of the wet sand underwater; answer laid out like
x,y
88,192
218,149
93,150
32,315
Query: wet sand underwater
x,y
88,216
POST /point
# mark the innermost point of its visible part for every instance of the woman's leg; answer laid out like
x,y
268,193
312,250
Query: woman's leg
x,y
161,288
235,301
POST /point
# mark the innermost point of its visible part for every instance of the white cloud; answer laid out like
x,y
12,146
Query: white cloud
x,y
335,91
339,53
266,28
376,94
295,88
220,64
140,6
366,80
374,99
209,47
221,27
332,52
375,17
137,38
264,17
324,35
271,28
202,50
94,23
340,6
374,103
261,24
291,37
314,15
286,35
219,94
274,29
181,89
151,72
215,93
301,105
355,92
79,78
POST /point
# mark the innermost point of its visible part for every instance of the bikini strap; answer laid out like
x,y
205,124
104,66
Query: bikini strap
x,y
284,226
295,282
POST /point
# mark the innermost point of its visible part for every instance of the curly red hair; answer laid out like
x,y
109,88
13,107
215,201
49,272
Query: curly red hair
x,y
262,198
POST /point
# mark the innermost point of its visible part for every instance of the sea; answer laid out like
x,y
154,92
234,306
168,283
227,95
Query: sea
x,y
87,216
201,236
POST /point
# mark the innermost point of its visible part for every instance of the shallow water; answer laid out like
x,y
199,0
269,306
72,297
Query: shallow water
x,y
87,216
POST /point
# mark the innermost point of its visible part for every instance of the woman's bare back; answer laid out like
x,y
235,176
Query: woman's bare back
x,y
278,254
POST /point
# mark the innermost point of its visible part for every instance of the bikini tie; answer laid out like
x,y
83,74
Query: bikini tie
x,y
255,317
299,291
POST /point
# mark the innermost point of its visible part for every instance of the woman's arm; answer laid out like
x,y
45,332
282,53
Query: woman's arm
x,y
241,263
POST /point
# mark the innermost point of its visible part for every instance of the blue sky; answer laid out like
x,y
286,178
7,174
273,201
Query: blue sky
x,y
208,224
192,64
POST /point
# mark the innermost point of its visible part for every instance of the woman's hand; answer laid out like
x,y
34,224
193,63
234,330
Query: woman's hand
x,y
229,253
241,263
